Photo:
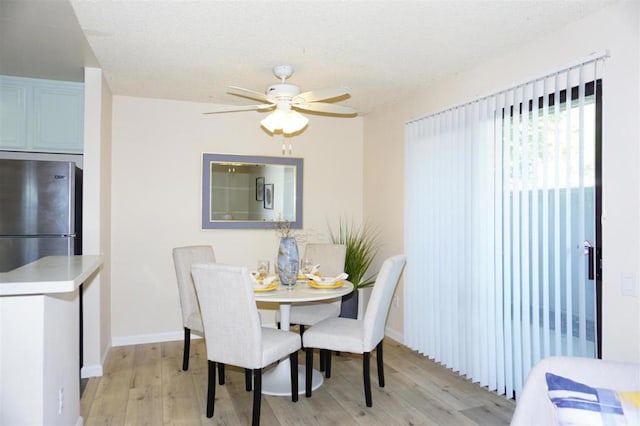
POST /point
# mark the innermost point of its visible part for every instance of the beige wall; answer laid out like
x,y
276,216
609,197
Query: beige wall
x,y
156,187
105,222
615,29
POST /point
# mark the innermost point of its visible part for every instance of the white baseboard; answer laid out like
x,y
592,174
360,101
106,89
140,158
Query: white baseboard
x,y
91,371
95,370
141,339
398,337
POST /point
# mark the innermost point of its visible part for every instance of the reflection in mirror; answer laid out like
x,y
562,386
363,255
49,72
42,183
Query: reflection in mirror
x,y
250,191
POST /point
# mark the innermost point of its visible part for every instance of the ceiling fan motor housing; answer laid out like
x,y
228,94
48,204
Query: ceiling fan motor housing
x,y
282,90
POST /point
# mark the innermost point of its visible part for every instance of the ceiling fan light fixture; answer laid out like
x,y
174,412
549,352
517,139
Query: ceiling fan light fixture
x,y
294,122
274,121
287,121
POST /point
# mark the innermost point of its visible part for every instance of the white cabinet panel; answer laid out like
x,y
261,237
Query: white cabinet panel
x,y
13,114
56,125
41,115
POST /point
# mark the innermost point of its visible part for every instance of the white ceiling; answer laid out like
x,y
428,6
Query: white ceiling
x,y
42,39
193,50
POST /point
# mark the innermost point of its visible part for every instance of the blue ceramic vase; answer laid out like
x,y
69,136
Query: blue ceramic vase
x,y
288,261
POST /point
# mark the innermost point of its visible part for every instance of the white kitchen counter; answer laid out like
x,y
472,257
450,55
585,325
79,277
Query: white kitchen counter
x,y
51,274
39,340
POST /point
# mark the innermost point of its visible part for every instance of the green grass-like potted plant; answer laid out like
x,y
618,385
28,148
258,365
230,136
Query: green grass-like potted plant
x,y
362,247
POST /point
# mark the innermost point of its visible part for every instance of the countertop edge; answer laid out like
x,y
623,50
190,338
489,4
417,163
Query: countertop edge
x,y
49,275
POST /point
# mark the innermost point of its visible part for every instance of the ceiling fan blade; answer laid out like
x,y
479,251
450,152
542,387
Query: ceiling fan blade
x,y
234,108
248,93
327,108
323,94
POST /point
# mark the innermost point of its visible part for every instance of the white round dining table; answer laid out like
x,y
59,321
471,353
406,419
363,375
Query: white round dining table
x,y
277,381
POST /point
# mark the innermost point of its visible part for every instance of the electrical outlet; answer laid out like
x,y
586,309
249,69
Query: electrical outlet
x,y
60,400
629,285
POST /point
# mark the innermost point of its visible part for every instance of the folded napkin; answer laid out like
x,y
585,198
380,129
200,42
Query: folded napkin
x,y
262,282
327,280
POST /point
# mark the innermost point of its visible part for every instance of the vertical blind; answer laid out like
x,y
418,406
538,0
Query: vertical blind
x,y
496,203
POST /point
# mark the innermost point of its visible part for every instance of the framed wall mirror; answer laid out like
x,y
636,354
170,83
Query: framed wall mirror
x,y
250,192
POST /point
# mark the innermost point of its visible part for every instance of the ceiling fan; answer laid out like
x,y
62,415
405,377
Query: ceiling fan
x,y
286,99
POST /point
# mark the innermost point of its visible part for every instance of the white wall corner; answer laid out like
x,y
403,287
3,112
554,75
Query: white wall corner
x,y
395,335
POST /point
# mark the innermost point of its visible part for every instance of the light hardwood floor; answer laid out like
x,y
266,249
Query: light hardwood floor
x,y
145,385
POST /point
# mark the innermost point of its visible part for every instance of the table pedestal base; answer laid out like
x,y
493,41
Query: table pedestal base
x,y
276,381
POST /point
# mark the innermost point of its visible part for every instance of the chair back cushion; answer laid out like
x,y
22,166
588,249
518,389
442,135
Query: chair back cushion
x,y
329,256
375,316
183,258
230,316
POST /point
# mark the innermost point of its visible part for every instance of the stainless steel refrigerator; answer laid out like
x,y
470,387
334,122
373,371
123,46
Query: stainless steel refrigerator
x,y
40,211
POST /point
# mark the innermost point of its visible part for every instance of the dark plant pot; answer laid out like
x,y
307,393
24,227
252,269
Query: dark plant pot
x,y
349,306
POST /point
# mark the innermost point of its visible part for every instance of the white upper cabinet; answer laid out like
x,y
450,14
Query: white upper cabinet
x,y
13,114
41,115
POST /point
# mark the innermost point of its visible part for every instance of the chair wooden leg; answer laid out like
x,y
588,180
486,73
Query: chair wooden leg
x,y
187,344
211,388
327,363
257,396
301,328
380,364
220,373
308,376
293,360
247,379
367,378
322,361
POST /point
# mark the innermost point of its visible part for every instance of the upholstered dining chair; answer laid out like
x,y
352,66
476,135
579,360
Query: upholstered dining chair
x,y
357,336
331,258
183,258
233,332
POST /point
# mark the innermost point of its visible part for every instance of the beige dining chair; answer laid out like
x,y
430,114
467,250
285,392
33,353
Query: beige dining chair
x,y
183,258
357,336
331,258
233,332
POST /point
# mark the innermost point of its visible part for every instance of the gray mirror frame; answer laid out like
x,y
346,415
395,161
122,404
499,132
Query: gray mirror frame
x,y
208,158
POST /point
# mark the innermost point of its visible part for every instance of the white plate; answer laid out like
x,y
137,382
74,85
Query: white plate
x,y
337,284
322,281
326,281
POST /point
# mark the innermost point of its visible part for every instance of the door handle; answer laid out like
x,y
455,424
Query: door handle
x,y
595,263
591,252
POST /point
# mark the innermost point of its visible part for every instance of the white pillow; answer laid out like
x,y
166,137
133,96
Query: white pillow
x,y
580,404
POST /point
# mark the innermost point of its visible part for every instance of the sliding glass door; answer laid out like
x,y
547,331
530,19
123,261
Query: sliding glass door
x,y
550,232
502,228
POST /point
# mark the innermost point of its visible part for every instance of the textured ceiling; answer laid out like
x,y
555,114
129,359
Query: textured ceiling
x,y
380,50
